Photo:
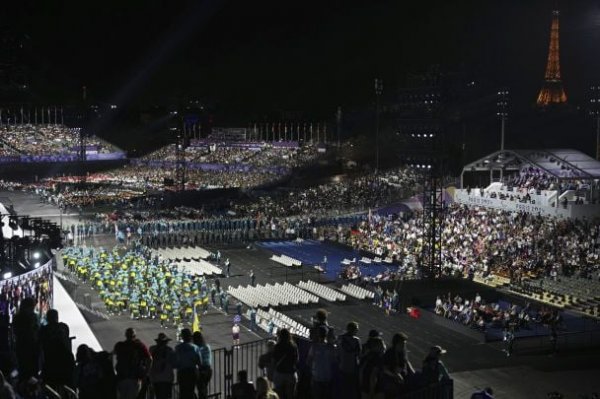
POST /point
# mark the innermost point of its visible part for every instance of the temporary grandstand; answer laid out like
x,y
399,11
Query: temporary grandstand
x,y
553,182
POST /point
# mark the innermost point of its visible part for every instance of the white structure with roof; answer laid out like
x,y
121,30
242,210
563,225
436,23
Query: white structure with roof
x,y
562,183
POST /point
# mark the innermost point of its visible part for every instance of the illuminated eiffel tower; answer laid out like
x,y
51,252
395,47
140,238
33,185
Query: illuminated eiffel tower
x,y
552,91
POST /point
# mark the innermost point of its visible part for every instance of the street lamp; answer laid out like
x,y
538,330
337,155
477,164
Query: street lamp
x,y
502,113
594,110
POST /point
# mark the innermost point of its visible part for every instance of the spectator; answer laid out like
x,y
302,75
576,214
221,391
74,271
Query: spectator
x,y
26,328
55,343
265,361
133,365
205,371
243,389
371,364
235,334
88,374
163,364
320,319
188,363
349,350
6,390
398,358
285,358
321,359
433,368
264,390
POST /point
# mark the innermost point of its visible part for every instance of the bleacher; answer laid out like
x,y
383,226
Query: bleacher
x,y
322,291
269,295
492,280
180,253
279,320
286,260
572,293
357,292
199,267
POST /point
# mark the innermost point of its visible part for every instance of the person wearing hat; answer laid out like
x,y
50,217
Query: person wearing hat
x,y
161,372
434,369
349,350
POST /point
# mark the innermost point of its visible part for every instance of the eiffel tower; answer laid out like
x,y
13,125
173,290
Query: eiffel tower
x,y
552,91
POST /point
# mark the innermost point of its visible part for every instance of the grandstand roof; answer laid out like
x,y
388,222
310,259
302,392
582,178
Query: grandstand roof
x,y
561,163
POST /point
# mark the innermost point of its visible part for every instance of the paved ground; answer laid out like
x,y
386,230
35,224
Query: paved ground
x,y
473,364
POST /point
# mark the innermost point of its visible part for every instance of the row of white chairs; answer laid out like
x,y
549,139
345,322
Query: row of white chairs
x,y
272,295
182,253
322,291
368,261
286,260
199,267
357,292
279,320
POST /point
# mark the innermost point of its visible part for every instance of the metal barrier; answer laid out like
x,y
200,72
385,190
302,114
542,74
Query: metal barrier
x,y
564,341
227,363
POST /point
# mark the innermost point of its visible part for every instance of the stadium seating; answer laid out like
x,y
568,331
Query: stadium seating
x,y
272,295
286,260
357,292
199,267
324,292
279,320
182,253
572,293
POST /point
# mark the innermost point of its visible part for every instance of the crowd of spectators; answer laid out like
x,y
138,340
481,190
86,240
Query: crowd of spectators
x,y
341,366
480,241
345,194
29,139
36,284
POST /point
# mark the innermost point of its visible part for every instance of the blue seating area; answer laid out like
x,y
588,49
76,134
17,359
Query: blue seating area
x,y
311,252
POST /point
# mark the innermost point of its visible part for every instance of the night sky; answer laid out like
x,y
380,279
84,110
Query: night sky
x,y
310,55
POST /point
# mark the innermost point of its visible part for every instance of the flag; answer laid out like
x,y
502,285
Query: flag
x,y
196,326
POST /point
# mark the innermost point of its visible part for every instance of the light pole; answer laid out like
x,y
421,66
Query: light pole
x,y
595,113
378,91
502,113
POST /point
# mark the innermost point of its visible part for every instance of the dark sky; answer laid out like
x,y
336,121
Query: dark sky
x,y
308,55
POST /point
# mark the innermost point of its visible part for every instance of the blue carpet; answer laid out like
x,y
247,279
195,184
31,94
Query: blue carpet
x,y
311,252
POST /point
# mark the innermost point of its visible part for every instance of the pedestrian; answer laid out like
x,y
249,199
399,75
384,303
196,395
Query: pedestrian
x,y
243,389
205,370
252,278
59,364
285,357
235,333
133,365
163,364
188,361
25,329
264,390
434,370
265,361
349,351
227,267
253,319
